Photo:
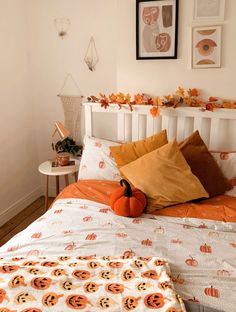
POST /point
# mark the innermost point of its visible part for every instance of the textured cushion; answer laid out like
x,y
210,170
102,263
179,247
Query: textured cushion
x,y
165,177
227,163
203,165
97,162
126,153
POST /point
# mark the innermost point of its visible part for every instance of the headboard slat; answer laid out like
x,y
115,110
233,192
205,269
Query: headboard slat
x,y
197,124
135,126
121,126
214,130
150,126
180,128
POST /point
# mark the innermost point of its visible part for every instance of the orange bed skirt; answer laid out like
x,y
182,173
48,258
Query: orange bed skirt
x,y
219,208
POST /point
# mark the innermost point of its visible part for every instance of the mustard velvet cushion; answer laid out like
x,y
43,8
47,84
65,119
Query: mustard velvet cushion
x,y
165,177
129,152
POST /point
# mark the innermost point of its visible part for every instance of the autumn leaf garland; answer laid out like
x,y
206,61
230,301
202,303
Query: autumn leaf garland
x,y
181,97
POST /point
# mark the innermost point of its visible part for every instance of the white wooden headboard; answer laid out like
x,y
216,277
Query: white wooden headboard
x,y
218,128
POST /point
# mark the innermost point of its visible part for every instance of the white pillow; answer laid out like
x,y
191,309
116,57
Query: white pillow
x,y
97,162
227,163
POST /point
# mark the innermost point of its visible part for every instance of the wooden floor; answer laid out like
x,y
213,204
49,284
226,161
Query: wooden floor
x,y
22,220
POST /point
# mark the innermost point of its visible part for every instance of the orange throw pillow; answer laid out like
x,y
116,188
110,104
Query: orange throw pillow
x,y
165,177
125,153
203,165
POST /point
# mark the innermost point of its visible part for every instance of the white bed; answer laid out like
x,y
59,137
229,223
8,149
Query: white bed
x,y
83,227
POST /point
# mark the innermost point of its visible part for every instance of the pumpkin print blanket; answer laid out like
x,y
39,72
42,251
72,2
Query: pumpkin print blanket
x,y
87,283
201,254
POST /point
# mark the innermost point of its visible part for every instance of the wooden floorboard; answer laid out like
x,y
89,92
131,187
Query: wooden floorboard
x,y
22,220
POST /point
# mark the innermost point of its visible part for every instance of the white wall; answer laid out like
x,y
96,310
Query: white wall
x,y
19,181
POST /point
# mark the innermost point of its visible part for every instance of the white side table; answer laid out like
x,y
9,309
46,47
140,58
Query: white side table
x,y
45,168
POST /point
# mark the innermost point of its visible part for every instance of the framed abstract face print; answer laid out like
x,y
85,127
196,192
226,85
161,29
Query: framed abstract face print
x,y
156,29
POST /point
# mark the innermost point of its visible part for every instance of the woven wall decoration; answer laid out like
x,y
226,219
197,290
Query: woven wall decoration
x,y
72,105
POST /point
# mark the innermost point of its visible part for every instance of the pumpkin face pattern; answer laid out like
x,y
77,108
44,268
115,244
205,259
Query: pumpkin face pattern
x,y
49,264
130,303
74,264
30,263
138,264
50,299
67,285
150,274
77,302
159,262
85,257
81,275
6,310
41,283
91,287
3,295
63,258
154,301
35,271
24,297
145,259
8,269
107,258
143,286
106,274
93,265
115,264
114,288
105,303
127,275
17,281
164,285
58,272
205,248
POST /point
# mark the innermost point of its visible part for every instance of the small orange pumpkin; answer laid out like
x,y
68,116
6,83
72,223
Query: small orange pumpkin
x,y
127,202
115,288
205,248
77,302
41,283
154,301
81,274
31,310
7,269
212,292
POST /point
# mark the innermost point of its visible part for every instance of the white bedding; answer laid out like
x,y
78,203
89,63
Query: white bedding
x,y
76,226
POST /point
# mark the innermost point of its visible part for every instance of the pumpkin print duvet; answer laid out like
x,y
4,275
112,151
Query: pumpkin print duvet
x,y
87,283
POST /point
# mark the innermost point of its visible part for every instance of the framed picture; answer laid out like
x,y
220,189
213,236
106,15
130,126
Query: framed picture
x,y
156,29
206,47
209,10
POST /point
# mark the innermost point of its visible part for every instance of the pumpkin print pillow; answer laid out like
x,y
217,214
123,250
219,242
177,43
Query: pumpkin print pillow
x,y
97,162
227,163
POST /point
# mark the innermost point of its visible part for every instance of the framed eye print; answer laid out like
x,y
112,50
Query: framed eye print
x,y
206,47
209,10
156,29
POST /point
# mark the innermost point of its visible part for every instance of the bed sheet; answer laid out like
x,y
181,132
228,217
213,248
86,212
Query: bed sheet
x,y
201,254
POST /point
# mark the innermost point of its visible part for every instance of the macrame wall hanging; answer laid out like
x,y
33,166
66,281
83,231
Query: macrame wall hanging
x,y
91,56
62,25
72,105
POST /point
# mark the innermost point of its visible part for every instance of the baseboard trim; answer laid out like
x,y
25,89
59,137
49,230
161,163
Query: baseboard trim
x,y
19,205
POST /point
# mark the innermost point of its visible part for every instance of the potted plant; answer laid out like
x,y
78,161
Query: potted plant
x,y
68,145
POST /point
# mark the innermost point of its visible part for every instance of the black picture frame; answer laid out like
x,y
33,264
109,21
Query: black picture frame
x,y
169,23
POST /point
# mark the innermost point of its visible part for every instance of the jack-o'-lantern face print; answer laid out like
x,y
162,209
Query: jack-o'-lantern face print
x,y
6,310
41,283
115,264
138,264
3,295
143,286
150,274
66,285
145,259
17,281
105,303
130,303
50,299
81,274
159,262
172,310
107,258
106,274
77,302
49,264
93,265
73,264
164,285
24,297
35,271
58,272
91,287
85,257
30,263
63,258
127,275
154,301
8,269
114,288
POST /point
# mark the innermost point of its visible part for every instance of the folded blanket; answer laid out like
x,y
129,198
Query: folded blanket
x,y
87,283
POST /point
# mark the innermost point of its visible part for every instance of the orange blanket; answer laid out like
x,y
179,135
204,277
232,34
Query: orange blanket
x,y
220,208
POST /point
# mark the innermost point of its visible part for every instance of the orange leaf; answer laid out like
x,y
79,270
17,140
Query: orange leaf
x,y
194,92
155,111
138,99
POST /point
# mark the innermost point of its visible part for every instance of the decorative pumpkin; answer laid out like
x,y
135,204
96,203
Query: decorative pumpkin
x,y
212,292
85,257
67,285
77,302
23,297
63,258
115,288
31,310
223,273
3,295
8,310
130,303
9,268
30,263
106,274
127,202
152,274
145,259
205,248
58,272
191,261
159,262
51,299
17,281
105,303
93,265
146,242
154,301
138,263
143,286
115,264
91,287
128,254
164,285
127,275
49,264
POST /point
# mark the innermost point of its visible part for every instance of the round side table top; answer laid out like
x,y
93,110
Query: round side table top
x,y
45,168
